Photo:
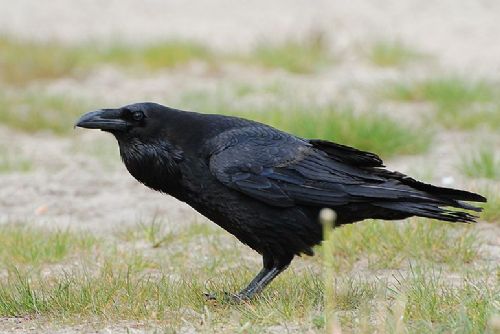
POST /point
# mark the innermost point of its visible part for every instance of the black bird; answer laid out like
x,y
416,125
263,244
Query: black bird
x,y
263,185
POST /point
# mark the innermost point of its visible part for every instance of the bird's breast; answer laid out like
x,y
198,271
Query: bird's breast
x,y
156,170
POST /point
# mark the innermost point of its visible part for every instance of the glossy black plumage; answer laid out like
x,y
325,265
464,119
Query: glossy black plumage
x,y
263,185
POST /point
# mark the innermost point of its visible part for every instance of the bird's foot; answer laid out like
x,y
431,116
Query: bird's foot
x,y
228,297
236,297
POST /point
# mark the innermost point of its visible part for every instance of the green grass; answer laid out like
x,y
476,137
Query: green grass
x,y
447,92
155,232
385,244
162,285
430,304
22,61
491,209
23,244
36,112
25,61
155,56
483,163
460,103
479,116
371,131
389,54
11,161
296,56
433,305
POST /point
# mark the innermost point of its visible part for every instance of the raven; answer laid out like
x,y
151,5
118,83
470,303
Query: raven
x,y
263,185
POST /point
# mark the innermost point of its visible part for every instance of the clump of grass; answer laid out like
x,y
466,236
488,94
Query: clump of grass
x,y
483,163
37,112
155,56
26,245
434,305
13,162
392,245
388,54
296,56
371,132
491,209
460,103
447,92
367,131
25,61
155,232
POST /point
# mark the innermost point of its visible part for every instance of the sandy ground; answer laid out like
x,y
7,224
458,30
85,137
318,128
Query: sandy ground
x,y
72,189
69,187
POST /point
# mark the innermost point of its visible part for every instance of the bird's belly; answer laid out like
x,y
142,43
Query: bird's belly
x,y
260,226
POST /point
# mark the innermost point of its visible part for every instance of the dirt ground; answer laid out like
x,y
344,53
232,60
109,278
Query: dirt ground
x,y
69,187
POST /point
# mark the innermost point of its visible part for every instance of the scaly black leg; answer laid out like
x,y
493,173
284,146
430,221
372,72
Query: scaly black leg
x,y
272,268
256,280
257,285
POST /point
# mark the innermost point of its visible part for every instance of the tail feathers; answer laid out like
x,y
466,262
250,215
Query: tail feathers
x,y
467,206
438,201
429,210
447,194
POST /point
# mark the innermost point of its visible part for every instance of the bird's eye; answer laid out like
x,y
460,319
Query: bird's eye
x,y
137,115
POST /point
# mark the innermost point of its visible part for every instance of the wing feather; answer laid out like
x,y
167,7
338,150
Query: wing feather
x,y
283,170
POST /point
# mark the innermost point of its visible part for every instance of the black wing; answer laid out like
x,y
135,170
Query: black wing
x,y
282,170
347,154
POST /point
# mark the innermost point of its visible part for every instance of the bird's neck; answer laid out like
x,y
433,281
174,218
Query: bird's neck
x,y
155,163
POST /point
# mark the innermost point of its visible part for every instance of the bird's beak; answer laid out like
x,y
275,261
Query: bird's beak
x,y
105,119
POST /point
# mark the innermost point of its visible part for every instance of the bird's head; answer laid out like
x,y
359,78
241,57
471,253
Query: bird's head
x,y
139,120
144,132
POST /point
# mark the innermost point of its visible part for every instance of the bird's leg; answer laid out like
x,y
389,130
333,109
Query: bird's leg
x,y
264,271
267,265
259,283
270,270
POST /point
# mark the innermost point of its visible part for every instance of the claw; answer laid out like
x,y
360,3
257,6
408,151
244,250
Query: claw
x,y
228,297
236,297
210,296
